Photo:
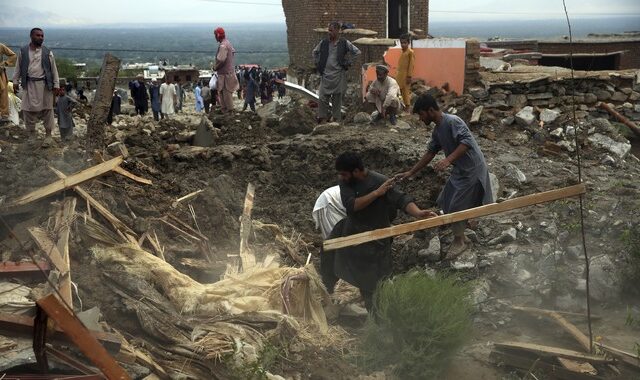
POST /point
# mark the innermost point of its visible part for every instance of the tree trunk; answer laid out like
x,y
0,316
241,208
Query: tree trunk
x,y
102,102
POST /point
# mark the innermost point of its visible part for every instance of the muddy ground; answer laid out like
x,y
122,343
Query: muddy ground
x,y
539,267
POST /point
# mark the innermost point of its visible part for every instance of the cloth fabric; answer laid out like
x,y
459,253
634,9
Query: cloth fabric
x,y
154,96
64,106
10,61
199,101
45,64
32,117
36,96
14,105
206,93
406,64
469,184
328,211
334,76
365,264
227,79
140,96
388,96
168,94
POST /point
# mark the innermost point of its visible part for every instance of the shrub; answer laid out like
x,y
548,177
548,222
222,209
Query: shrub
x,y
631,271
420,323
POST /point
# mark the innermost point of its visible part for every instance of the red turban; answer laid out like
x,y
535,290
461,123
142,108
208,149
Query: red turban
x,y
219,33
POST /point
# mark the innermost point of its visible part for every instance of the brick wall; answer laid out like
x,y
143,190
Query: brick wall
x,y
629,60
304,16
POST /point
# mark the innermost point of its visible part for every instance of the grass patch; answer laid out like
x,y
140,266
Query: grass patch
x,y
421,323
631,272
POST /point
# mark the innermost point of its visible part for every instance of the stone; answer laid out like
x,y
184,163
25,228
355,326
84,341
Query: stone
x,y
515,173
619,149
517,100
605,279
602,94
478,92
205,136
539,96
480,292
523,275
91,318
558,132
525,117
626,90
495,186
619,97
590,98
362,118
467,260
432,253
325,129
118,149
636,108
402,125
549,116
627,105
608,160
571,130
475,116
602,125
634,96
507,120
506,237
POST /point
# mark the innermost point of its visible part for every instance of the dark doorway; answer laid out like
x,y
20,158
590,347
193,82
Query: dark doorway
x,y
398,22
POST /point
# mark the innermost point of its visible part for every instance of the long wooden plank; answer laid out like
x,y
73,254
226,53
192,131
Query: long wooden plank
x,y
132,176
248,260
476,212
553,351
69,182
82,338
47,246
64,218
526,363
578,335
115,222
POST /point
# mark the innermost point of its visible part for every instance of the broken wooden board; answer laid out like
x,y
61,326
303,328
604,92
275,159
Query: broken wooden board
x,y
67,183
184,198
247,258
579,367
578,335
548,351
631,360
64,218
47,246
81,336
565,313
115,222
132,176
528,362
476,212
23,324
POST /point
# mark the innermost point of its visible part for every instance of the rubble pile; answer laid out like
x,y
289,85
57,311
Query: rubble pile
x,y
190,285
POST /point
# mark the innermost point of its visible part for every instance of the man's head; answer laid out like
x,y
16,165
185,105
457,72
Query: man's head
x,y
427,108
405,40
37,37
334,30
350,167
140,78
219,34
381,72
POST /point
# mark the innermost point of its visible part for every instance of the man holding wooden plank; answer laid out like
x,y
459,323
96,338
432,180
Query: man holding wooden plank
x,y
371,202
469,184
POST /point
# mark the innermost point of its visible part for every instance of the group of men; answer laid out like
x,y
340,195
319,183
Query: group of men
x,y
334,56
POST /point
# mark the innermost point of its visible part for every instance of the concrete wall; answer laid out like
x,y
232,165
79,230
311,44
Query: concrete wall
x,y
304,16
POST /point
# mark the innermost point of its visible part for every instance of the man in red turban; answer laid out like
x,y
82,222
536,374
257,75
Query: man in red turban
x,y
224,65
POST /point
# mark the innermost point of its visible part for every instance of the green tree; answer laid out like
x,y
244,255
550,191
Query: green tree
x,y
66,69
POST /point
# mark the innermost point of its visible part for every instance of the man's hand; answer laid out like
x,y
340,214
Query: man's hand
x,y
375,91
388,184
442,165
426,214
402,176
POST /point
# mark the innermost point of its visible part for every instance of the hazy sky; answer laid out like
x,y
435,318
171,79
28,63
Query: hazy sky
x,y
88,12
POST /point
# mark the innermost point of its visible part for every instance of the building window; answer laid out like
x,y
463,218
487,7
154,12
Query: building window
x,y
397,18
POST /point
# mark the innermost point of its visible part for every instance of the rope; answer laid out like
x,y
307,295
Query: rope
x,y
579,158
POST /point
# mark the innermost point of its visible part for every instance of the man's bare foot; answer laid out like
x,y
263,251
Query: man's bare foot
x,y
456,249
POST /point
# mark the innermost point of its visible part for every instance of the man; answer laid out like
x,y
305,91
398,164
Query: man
x,y
4,88
227,80
333,57
168,98
154,96
371,201
206,96
405,69
384,93
116,106
197,92
328,211
36,71
179,95
139,95
469,185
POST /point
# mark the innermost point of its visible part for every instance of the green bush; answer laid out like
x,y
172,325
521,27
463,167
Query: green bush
x,y
420,323
66,69
631,272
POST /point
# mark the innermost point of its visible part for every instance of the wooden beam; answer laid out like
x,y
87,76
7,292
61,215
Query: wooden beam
x,y
23,324
634,128
101,105
476,212
64,218
526,363
69,182
47,246
117,224
81,336
565,313
560,321
247,259
552,352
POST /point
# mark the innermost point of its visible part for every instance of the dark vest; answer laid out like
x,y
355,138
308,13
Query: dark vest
x,y
324,55
46,66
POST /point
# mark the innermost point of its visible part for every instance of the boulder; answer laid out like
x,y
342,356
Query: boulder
x,y
605,279
549,116
619,96
362,118
506,237
478,92
517,100
602,94
525,117
432,253
619,149
515,173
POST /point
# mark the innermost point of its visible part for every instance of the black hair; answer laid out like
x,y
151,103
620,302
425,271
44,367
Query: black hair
x,y
424,102
335,24
33,30
348,162
405,37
